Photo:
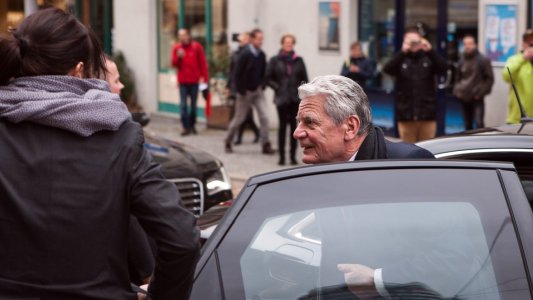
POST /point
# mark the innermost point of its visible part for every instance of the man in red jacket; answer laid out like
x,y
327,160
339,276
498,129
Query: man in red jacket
x,y
189,59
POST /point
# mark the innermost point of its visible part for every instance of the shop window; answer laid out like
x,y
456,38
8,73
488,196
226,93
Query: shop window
x,y
376,33
168,30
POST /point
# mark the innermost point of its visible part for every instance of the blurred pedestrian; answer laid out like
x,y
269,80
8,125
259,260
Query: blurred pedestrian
x,y
474,81
250,82
415,69
285,73
357,67
521,66
74,169
189,58
244,39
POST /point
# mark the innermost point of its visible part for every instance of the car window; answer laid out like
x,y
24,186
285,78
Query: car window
x,y
423,233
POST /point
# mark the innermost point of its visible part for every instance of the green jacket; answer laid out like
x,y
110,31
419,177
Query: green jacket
x,y
522,71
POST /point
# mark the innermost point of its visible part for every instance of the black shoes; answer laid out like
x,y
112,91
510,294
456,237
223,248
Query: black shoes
x,y
186,132
228,148
267,149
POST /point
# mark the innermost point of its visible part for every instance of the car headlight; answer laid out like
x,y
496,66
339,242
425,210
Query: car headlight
x,y
218,181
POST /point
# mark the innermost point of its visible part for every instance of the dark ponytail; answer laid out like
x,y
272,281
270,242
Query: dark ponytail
x,y
50,42
10,58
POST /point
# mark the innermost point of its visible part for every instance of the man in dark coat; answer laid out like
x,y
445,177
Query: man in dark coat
x,y
249,82
415,68
474,81
244,40
335,125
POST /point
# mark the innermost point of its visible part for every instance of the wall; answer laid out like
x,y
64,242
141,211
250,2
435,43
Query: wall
x,y
135,34
299,17
496,102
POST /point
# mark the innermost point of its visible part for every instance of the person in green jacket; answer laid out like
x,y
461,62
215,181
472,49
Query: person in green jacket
x,y
521,66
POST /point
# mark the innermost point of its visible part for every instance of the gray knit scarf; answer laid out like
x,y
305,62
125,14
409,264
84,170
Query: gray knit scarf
x,y
82,106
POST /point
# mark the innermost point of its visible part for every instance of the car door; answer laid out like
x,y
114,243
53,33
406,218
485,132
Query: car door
x,y
428,230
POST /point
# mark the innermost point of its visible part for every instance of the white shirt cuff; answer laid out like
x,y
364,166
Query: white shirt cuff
x,y
380,286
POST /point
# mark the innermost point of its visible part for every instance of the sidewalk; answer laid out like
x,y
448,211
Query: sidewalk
x,y
246,160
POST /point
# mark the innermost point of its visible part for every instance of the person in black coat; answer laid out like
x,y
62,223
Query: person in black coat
x,y
285,72
74,168
249,81
244,39
357,67
415,69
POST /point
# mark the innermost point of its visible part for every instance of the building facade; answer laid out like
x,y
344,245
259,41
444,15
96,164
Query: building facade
x,y
146,30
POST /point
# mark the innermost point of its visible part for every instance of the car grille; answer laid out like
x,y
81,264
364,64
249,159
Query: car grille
x,y
192,194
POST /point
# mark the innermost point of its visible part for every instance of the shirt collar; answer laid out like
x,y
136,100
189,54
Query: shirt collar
x,y
254,50
353,156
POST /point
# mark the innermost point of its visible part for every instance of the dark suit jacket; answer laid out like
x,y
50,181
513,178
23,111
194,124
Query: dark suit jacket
x,y
249,70
402,150
64,213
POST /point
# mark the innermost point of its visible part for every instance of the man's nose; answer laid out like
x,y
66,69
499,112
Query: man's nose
x,y
299,133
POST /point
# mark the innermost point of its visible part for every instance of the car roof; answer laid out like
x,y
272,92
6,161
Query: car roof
x,y
477,141
375,165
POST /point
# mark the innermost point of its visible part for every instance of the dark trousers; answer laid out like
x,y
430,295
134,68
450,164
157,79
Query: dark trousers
x,y
188,114
287,116
473,111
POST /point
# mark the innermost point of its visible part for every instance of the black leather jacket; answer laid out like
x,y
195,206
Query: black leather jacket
x,y
284,85
416,87
66,203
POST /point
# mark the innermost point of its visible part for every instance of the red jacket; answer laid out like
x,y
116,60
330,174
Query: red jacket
x,y
192,65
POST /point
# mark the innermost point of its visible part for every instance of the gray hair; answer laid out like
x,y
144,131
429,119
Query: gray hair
x,y
343,98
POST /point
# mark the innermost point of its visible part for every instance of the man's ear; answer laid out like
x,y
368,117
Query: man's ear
x,y
353,123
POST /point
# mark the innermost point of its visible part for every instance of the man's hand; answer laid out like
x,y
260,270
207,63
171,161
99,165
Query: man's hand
x,y
426,45
406,46
181,53
354,68
528,53
141,296
360,280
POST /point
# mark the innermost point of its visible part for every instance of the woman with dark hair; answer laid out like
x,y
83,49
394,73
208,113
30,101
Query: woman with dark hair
x,y
73,169
285,73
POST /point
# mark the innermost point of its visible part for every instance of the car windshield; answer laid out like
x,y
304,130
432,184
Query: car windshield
x,y
445,237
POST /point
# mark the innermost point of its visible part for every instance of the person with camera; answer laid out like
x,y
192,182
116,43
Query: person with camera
x,y
357,67
521,67
414,69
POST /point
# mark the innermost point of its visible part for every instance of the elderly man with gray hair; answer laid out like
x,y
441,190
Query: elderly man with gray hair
x,y
335,125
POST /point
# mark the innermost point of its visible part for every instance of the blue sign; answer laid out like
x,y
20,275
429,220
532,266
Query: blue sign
x,y
500,32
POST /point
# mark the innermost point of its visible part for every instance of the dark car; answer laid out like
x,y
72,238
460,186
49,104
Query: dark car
x,y
200,178
287,232
512,143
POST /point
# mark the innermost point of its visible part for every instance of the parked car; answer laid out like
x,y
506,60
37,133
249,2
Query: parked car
x,y
512,143
432,229
199,177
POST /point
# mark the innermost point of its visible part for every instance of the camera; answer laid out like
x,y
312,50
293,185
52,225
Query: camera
x,y
414,43
235,37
